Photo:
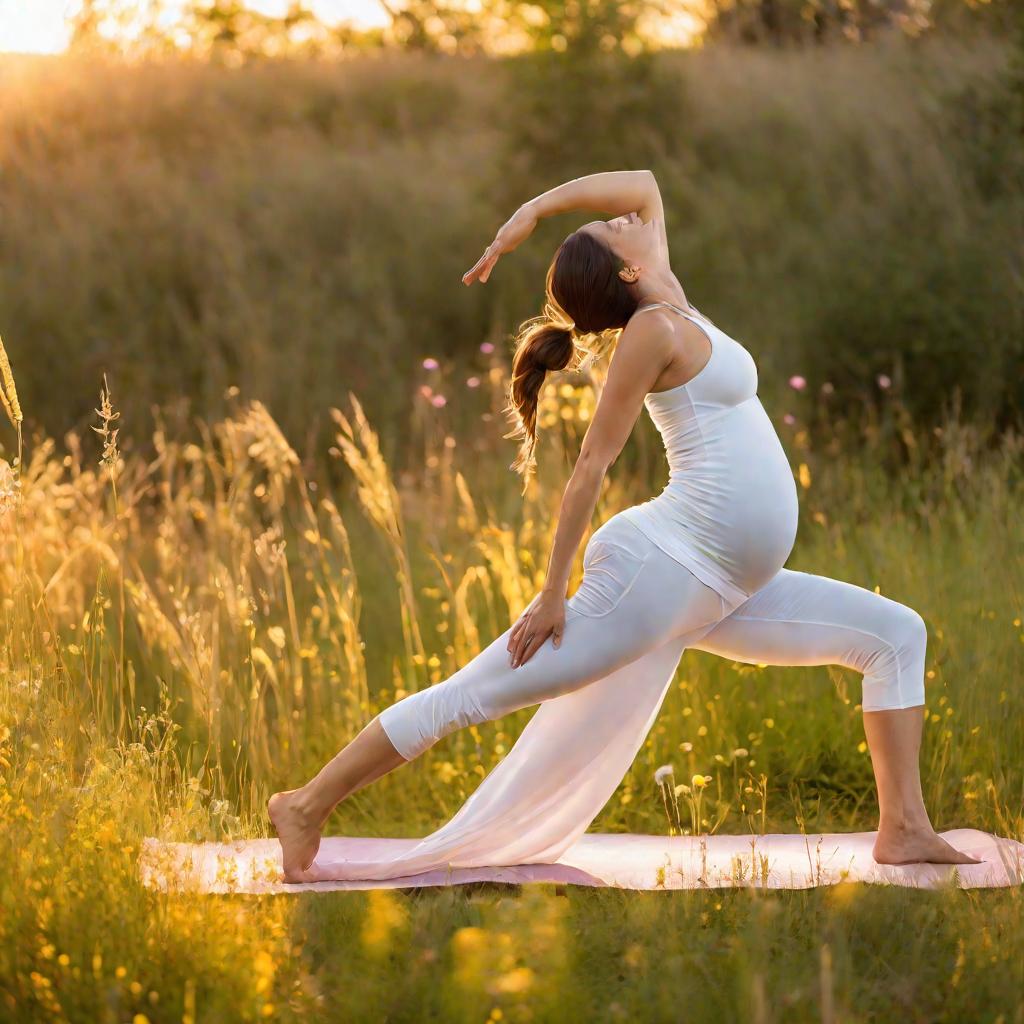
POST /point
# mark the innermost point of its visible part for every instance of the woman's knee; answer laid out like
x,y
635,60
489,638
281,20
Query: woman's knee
x,y
418,721
896,676
908,631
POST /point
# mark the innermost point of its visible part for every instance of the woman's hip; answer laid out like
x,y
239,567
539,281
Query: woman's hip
x,y
624,571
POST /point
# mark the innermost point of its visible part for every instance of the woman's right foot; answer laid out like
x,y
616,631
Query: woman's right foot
x,y
920,845
299,835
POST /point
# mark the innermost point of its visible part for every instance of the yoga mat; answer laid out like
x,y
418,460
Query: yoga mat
x,y
626,861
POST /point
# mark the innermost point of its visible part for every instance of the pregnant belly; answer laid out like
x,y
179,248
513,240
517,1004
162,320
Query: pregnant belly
x,y
739,512
759,527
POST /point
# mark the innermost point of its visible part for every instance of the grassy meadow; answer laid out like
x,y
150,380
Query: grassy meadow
x,y
290,505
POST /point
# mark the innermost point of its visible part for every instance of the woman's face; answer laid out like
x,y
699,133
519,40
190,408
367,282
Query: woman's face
x,y
632,240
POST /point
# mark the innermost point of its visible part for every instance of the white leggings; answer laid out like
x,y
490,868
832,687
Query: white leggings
x,y
634,599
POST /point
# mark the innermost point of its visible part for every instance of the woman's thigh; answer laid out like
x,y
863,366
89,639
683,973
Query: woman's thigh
x,y
800,618
632,598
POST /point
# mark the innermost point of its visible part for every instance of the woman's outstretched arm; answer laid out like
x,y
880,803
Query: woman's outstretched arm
x,y
614,192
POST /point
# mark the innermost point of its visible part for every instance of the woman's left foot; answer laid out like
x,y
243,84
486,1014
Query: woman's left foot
x,y
299,836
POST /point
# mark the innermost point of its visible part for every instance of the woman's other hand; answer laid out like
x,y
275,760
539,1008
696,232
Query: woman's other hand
x,y
512,233
544,617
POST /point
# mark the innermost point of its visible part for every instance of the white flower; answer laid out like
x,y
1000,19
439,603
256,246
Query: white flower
x,y
663,773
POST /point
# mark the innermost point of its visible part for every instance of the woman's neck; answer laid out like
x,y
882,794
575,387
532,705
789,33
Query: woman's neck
x,y
662,287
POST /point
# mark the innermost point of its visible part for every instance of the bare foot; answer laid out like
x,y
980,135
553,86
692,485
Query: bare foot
x,y
299,835
916,846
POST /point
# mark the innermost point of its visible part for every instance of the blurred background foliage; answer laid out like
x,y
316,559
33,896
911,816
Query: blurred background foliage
x,y
298,228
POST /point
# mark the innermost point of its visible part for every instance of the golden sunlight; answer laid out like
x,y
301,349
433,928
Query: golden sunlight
x,y
33,26
42,26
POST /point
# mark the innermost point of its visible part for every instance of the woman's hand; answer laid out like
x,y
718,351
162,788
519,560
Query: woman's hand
x,y
512,233
544,617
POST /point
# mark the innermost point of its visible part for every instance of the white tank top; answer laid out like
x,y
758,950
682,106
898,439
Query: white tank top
x,y
729,511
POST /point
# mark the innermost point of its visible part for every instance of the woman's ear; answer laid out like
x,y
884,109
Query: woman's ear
x,y
629,274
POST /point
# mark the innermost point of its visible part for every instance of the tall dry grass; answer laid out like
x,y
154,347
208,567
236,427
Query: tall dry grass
x,y
184,633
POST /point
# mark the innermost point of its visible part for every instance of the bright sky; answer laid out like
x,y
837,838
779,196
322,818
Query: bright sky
x,y
40,26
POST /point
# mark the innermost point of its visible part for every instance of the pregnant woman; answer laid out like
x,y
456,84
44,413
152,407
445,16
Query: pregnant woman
x,y
699,566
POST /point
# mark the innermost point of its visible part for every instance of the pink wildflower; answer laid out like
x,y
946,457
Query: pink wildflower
x,y
430,363
438,401
797,383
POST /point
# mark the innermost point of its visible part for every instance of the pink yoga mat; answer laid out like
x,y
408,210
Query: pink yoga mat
x,y
598,859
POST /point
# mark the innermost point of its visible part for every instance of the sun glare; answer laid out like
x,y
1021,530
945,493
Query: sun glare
x,y
33,26
41,26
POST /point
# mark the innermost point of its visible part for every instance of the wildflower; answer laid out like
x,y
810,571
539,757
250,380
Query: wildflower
x,y
430,363
438,400
827,388
805,475
472,382
663,773
789,419
700,781
486,346
687,746
426,390
740,752
797,383
884,382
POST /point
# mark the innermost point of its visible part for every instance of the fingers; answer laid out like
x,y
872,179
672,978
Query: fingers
x,y
518,645
482,268
532,645
470,275
516,630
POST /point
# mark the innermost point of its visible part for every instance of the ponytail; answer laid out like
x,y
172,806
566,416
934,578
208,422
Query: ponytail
x,y
543,344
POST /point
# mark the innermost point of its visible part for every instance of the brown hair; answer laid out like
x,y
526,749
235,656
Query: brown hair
x,y
585,296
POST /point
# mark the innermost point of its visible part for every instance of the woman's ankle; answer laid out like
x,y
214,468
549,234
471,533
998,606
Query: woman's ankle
x,y
916,821
309,806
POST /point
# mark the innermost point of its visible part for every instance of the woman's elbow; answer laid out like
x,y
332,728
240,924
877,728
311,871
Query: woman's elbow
x,y
593,464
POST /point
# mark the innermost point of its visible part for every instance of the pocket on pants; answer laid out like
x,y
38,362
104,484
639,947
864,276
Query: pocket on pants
x,y
611,565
